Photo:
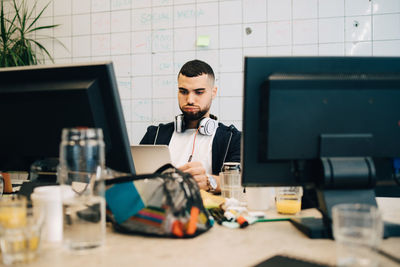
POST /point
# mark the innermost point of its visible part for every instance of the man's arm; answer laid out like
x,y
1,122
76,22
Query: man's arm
x,y
198,172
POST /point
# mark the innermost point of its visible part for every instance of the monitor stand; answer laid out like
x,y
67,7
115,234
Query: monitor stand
x,y
312,227
321,228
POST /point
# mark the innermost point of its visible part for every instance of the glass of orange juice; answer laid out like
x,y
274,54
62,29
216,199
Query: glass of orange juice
x,y
288,199
13,211
20,229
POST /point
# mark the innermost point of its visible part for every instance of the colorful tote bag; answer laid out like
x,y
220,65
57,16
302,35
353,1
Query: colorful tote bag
x,y
165,203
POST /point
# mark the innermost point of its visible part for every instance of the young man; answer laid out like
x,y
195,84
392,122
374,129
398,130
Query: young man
x,y
199,145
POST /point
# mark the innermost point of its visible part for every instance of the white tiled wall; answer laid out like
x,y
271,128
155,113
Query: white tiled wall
x,y
149,41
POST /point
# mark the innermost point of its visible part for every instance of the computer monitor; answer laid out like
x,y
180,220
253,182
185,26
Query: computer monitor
x,y
332,122
37,102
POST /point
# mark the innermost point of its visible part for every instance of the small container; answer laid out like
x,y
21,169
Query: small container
x,y
49,199
288,199
259,198
7,185
230,181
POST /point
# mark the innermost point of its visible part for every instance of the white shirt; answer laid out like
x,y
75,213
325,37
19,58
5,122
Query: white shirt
x,y
181,146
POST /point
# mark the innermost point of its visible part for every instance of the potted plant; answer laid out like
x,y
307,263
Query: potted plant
x,y
18,27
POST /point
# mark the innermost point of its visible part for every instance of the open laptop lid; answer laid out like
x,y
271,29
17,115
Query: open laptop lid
x,y
148,158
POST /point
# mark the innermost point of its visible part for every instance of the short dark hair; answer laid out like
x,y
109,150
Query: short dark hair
x,y
196,68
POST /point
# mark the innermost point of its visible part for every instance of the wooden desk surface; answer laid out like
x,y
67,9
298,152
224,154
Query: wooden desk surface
x,y
218,247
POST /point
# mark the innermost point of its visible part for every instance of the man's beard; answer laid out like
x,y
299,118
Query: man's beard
x,y
194,116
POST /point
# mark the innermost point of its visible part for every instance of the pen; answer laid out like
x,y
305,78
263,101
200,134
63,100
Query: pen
x,y
242,222
233,215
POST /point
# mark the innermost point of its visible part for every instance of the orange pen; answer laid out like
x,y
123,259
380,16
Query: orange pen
x,y
192,224
177,228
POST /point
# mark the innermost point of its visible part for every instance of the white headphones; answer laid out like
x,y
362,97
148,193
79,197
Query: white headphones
x,y
207,125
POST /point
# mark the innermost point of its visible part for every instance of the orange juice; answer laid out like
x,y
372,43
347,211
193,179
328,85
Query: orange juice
x,y
20,230
13,211
13,217
288,199
288,206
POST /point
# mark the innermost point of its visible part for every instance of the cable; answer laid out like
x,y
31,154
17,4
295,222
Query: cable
x,y
227,147
155,138
194,141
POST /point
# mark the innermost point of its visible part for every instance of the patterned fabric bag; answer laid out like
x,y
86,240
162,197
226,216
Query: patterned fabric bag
x,y
166,203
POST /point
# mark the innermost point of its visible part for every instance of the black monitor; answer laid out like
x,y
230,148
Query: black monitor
x,y
331,122
37,102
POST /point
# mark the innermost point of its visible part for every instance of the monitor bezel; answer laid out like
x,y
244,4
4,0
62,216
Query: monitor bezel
x,y
102,73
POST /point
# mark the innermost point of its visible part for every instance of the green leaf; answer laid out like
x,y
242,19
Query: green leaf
x,y
42,27
38,16
43,49
2,25
16,60
17,11
32,10
17,47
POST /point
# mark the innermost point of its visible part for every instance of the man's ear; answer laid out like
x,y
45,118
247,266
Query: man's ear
x,y
214,92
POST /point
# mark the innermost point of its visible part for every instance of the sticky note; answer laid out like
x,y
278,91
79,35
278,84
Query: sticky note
x,y
203,40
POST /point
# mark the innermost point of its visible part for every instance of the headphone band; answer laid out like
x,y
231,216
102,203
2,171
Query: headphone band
x,y
206,125
213,117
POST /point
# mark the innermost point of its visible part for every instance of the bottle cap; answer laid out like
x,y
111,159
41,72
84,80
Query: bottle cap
x,y
231,166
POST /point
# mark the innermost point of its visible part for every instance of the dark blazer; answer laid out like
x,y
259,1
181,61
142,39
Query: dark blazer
x,y
226,140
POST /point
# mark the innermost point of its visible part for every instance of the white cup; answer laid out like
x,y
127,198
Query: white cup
x,y
259,198
49,198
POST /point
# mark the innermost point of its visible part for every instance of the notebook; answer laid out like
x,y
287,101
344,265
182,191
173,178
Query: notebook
x,y
148,158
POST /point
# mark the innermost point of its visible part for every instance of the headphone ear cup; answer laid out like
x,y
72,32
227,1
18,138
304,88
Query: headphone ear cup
x,y
207,126
179,124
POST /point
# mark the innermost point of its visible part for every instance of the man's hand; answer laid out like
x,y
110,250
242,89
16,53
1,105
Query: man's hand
x,y
198,172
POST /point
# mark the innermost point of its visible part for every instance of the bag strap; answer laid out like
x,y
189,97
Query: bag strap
x,y
166,167
132,177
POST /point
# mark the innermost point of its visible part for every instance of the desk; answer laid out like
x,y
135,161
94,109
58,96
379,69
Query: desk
x,y
218,247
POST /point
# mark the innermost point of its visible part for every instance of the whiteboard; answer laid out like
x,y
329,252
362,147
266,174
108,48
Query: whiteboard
x,y
149,41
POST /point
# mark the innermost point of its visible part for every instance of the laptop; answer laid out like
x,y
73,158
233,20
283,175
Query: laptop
x,y
149,158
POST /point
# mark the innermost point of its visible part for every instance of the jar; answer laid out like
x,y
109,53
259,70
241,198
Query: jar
x,y
288,199
230,180
80,173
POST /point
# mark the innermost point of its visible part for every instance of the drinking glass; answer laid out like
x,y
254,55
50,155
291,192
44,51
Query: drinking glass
x,y
230,181
288,199
82,164
358,231
20,230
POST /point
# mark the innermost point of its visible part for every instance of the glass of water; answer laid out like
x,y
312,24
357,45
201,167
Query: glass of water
x,y
82,164
358,231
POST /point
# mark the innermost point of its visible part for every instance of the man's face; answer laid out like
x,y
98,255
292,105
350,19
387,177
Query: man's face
x,y
195,95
